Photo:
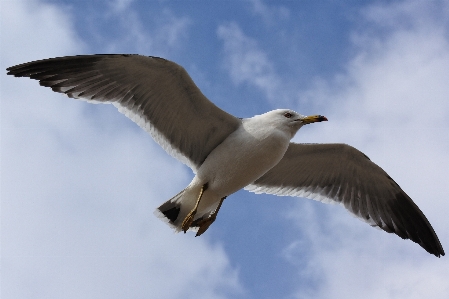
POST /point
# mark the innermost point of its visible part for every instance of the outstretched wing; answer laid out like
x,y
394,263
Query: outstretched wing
x,y
342,174
157,94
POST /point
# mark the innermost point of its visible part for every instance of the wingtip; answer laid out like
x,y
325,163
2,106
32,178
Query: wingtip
x,y
436,248
439,253
10,71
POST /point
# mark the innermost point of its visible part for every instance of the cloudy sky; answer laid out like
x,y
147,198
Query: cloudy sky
x,y
80,182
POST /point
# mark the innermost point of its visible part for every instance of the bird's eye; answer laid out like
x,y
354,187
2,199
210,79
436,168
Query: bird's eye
x,y
288,114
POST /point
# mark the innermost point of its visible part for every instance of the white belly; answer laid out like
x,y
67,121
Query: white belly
x,y
240,160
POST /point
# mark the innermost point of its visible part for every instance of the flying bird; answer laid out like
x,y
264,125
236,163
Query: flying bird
x,y
227,153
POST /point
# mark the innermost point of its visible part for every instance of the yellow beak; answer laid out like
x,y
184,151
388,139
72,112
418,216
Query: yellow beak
x,y
313,119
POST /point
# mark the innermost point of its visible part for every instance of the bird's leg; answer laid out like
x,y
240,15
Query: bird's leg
x,y
189,218
205,223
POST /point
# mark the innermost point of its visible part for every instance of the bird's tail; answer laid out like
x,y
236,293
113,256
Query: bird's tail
x,y
174,210
169,211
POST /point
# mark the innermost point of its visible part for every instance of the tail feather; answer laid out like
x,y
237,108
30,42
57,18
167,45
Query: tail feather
x,y
169,210
174,210
172,213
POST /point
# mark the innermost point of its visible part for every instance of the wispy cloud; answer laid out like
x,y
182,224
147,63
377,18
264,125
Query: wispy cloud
x,y
269,13
247,63
120,5
141,31
19,16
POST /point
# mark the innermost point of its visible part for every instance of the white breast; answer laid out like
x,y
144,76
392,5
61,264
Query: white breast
x,y
243,157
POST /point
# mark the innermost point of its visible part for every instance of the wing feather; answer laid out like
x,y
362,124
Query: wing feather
x,y
342,174
155,93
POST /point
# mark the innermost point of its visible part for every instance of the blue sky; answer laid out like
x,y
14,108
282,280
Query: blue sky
x,y
80,182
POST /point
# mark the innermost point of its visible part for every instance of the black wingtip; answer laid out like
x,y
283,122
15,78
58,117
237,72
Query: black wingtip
x,y
438,254
416,226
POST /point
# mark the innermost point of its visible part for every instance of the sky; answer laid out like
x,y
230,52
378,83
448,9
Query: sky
x,y
80,182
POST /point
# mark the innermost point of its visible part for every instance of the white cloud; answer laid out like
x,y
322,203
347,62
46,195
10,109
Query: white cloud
x,y
397,15
391,103
46,36
79,188
269,14
120,5
158,34
247,63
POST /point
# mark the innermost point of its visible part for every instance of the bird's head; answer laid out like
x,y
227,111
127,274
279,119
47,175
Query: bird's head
x,y
291,121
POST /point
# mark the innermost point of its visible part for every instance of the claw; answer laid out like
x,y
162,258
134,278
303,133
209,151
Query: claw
x,y
189,218
188,221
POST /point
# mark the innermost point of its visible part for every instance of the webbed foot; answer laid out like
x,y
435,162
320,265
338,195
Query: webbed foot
x,y
205,223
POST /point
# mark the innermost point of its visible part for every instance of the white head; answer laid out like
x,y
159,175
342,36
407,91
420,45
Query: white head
x,y
288,120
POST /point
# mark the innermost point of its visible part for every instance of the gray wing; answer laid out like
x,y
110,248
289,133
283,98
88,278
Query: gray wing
x,y
340,173
155,93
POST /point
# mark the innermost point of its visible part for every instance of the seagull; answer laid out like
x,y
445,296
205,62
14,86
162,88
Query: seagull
x,y
227,153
